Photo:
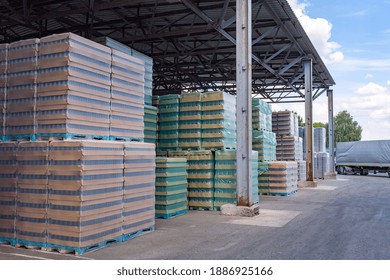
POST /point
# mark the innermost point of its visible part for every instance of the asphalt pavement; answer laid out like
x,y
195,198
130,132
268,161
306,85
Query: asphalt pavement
x,y
343,219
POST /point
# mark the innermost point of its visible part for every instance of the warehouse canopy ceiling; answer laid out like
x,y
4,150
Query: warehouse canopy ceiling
x,y
192,41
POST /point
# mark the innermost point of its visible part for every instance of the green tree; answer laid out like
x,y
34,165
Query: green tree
x,y
346,129
300,121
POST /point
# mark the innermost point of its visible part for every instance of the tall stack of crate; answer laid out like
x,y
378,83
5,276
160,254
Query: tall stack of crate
x,y
85,194
218,120
168,129
263,141
289,144
283,177
321,165
20,104
171,181
73,87
302,134
139,188
263,178
150,124
319,139
190,121
148,86
226,178
301,171
3,86
8,184
201,173
127,97
32,193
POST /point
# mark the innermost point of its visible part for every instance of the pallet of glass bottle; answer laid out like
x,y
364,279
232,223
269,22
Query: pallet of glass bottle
x,y
197,203
200,164
167,144
190,144
170,162
301,170
171,181
170,199
192,97
201,183
219,144
168,127
170,211
217,100
168,134
169,99
171,189
190,124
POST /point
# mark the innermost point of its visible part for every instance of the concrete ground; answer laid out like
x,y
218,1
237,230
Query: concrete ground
x,y
347,218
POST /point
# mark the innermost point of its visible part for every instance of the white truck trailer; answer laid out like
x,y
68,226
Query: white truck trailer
x,y
363,157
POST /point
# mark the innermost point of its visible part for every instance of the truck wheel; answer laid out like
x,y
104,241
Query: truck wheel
x,y
388,172
342,170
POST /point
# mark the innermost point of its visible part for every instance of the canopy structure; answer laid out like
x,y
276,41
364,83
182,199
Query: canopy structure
x,y
193,42
247,48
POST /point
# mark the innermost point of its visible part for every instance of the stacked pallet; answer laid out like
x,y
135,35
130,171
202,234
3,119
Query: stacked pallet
x,y
201,180
301,171
263,178
225,191
321,165
289,148
190,121
32,193
319,139
85,199
285,123
73,87
127,97
150,124
261,115
21,83
171,187
8,184
139,188
3,86
168,128
218,120
283,177
302,134
264,142
148,86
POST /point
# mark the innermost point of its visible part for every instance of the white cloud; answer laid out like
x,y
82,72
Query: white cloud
x,y
319,32
388,83
372,89
370,107
369,76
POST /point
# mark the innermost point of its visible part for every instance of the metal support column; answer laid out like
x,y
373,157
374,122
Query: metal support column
x,y
244,102
309,119
331,131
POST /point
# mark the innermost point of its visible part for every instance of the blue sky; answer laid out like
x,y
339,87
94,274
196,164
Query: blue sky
x,y
353,38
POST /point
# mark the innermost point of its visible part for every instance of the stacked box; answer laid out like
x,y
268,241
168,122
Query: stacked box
x,y
285,123
127,97
289,148
301,171
3,86
8,182
218,120
321,165
283,177
264,142
261,115
32,193
73,87
319,138
190,121
85,198
201,169
22,65
263,178
226,179
139,188
148,87
150,124
168,117
171,187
